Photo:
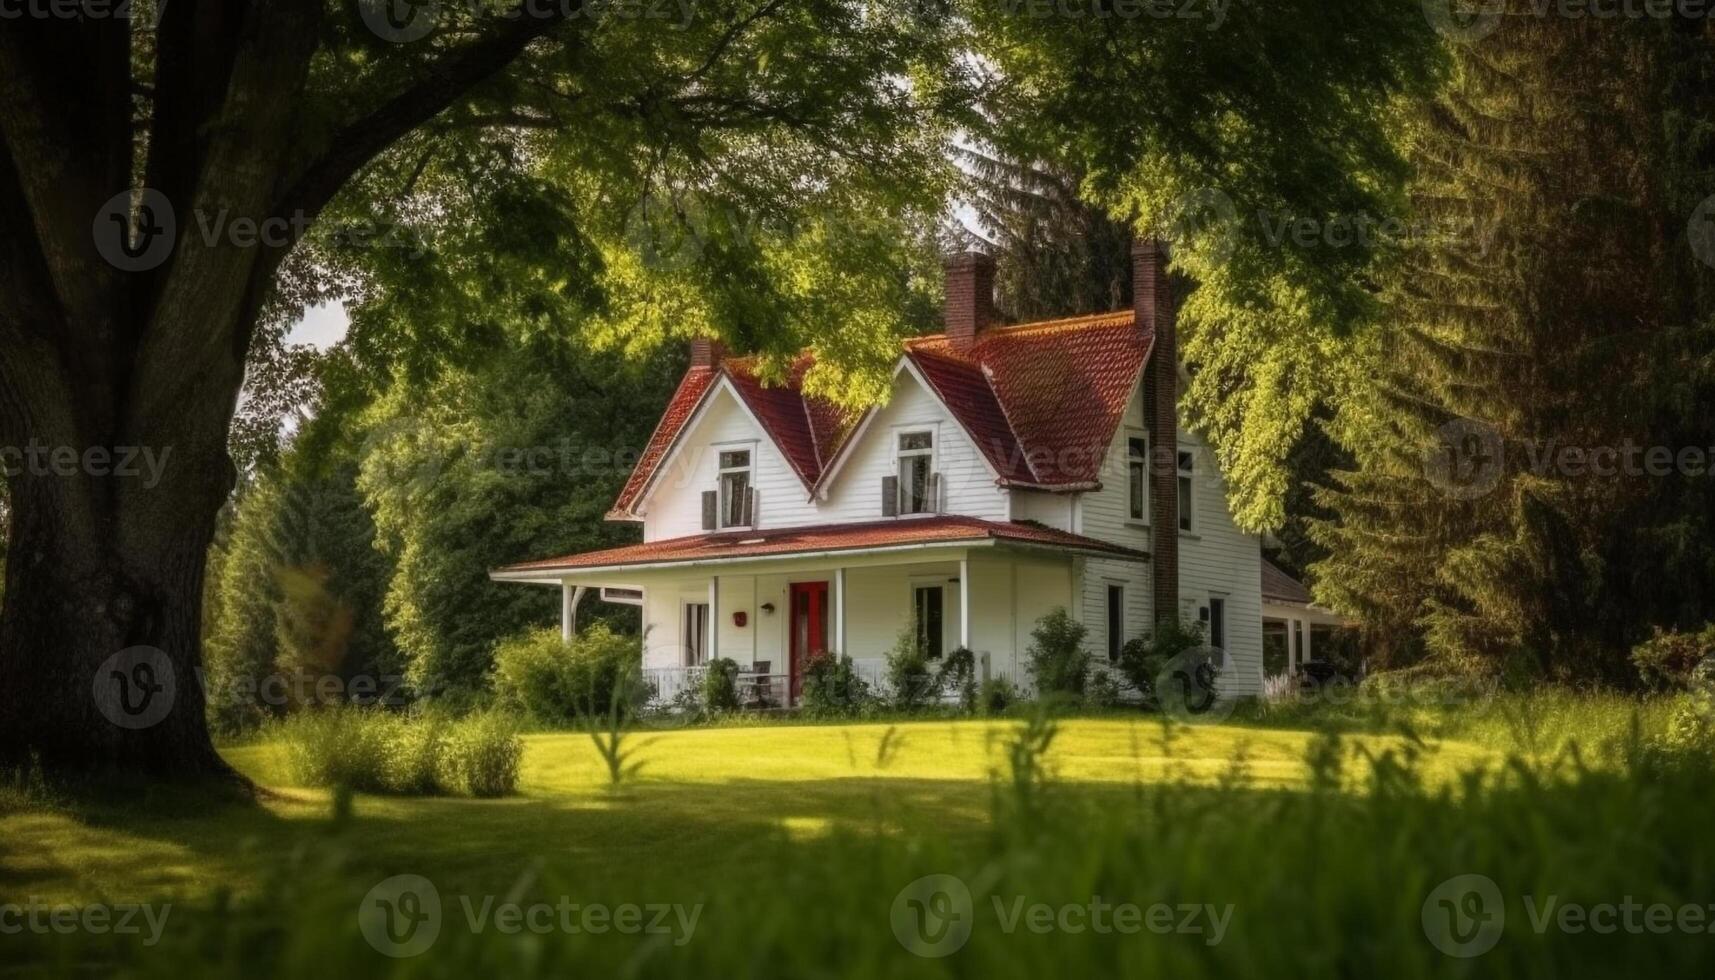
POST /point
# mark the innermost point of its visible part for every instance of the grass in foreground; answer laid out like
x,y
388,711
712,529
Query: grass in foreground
x,y
796,846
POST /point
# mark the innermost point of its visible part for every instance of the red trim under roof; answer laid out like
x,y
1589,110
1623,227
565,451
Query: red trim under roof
x,y
786,542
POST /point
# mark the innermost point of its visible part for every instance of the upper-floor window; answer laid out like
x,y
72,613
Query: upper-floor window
x,y
916,477
1186,498
735,487
1137,477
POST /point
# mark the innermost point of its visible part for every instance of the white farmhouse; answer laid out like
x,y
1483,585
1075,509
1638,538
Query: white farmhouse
x,y
1015,469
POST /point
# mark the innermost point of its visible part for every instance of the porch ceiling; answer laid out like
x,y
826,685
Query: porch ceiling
x,y
875,537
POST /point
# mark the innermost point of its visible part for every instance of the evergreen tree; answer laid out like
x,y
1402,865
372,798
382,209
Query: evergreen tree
x,y
1055,253
1544,276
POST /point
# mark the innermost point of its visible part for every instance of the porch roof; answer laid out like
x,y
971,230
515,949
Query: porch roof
x,y
818,539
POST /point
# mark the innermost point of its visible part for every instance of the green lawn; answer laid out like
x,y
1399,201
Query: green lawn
x,y
715,801
798,845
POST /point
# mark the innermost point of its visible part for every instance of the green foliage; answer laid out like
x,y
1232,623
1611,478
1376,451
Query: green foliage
x,y
1223,145
518,460
958,676
1667,660
1056,660
555,681
996,695
1143,658
481,756
832,688
1462,527
911,684
376,751
293,600
720,685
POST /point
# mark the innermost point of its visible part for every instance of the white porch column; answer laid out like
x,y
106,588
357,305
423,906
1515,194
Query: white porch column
x,y
840,611
965,603
1292,647
1308,632
570,596
714,616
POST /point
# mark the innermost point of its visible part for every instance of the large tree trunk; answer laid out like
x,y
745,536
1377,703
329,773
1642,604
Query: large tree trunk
x,y
100,639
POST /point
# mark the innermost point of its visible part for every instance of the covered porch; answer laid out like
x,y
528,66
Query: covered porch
x,y
1290,624
771,600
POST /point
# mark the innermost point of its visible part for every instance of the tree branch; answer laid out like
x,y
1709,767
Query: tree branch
x,y
448,79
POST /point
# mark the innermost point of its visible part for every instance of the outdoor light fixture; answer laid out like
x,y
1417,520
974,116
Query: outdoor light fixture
x,y
768,607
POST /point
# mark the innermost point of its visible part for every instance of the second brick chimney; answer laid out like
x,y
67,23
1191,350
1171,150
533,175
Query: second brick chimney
x,y
706,352
970,297
1152,298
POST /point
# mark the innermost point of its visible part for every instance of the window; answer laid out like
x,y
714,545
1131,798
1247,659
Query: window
x,y
916,483
735,487
1137,476
1186,499
1218,623
696,633
926,614
1116,621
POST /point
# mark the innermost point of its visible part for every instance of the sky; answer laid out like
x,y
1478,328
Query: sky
x,y
323,326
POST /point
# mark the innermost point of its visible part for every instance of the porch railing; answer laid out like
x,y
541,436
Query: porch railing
x,y
755,689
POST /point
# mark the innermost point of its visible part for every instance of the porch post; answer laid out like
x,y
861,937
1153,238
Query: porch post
x,y
1292,647
840,612
1308,635
570,596
714,616
965,603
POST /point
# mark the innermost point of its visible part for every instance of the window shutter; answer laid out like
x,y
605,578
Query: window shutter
x,y
890,496
711,505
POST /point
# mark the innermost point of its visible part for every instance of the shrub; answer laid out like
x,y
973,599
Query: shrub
x,y
340,747
909,680
720,685
1102,690
376,751
556,681
996,695
1665,661
481,756
1143,659
832,687
958,675
1056,660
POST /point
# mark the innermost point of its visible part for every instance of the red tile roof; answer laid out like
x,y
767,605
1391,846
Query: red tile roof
x,y
829,537
1041,401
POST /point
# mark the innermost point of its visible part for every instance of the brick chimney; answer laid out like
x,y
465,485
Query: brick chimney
x,y
970,297
1152,298
706,352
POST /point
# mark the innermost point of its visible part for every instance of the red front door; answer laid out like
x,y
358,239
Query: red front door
x,y
809,628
